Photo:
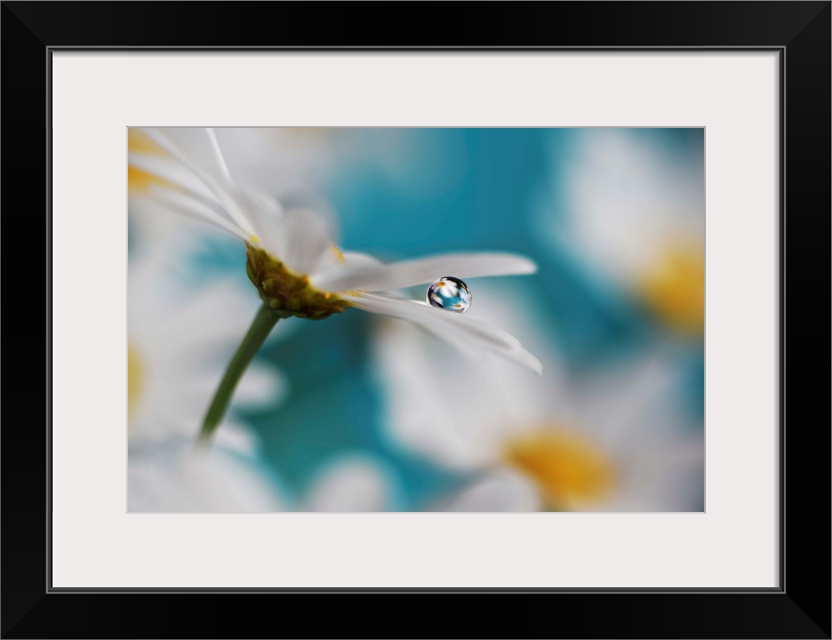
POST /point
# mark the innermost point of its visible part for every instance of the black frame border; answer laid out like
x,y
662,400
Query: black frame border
x,y
799,31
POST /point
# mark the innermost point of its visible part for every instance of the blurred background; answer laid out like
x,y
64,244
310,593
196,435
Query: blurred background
x,y
362,413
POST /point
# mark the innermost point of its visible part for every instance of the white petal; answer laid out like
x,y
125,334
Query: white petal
x,y
197,149
234,437
170,170
455,328
266,217
429,407
414,272
501,491
190,206
442,403
172,477
306,242
261,386
339,267
426,315
198,145
627,195
353,484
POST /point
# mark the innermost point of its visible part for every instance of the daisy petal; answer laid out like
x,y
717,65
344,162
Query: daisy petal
x,y
266,216
310,240
351,484
500,491
414,272
200,147
340,265
457,329
169,170
189,206
204,159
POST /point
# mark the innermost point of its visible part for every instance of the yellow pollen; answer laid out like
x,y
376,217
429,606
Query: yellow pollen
x,y
139,141
339,255
135,379
138,180
674,287
569,470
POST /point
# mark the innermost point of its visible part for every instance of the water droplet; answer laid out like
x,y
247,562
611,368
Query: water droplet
x,y
451,294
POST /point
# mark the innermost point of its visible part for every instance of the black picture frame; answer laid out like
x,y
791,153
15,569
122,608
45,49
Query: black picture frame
x,y
798,608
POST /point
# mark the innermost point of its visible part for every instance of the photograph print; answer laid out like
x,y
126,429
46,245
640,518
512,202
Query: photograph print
x,y
415,320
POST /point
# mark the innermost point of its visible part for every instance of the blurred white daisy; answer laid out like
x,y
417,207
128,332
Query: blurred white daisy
x,y
149,223
281,161
171,477
607,442
292,260
635,210
285,161
352,482
179,340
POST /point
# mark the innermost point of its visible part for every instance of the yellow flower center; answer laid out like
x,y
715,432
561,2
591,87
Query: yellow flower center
x,y
286,291
135,379
569,470
138,180
339,255
674,287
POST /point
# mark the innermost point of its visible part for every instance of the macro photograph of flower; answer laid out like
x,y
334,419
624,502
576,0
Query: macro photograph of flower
x,y
415,320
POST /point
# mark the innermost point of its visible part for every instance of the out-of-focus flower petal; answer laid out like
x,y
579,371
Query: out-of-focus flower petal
x,y
198,150
351,484
173,478
190,206
450,326
500,491
170,170
310,240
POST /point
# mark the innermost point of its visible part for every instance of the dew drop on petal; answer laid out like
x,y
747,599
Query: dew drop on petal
x,y
451,294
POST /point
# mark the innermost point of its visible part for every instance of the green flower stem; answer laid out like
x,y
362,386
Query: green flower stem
x,y
264,322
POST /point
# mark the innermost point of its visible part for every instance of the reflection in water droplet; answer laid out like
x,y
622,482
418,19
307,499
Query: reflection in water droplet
x,y
451,294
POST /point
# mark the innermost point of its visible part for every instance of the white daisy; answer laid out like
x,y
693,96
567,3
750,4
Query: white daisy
x,y
635,210
292,260
149,223
607,442
352,482
281,161
179,340
170,477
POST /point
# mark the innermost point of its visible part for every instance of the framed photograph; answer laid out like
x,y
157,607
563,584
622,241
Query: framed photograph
x,y
518,299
